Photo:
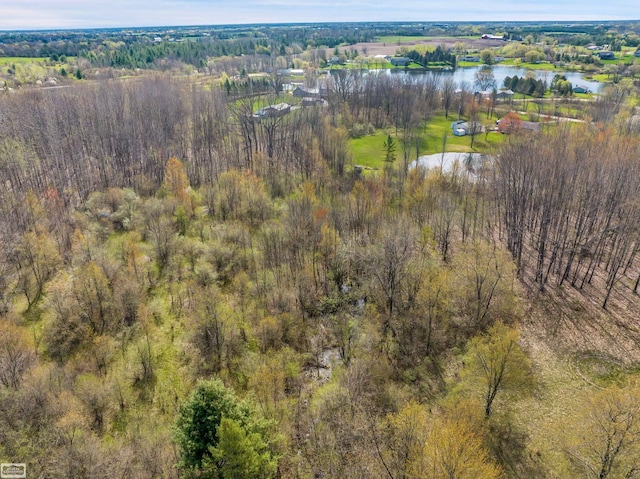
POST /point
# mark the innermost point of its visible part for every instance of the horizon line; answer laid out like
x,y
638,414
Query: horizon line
x,y
361,22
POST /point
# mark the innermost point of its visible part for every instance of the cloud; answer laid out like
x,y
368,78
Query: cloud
x,y
31,14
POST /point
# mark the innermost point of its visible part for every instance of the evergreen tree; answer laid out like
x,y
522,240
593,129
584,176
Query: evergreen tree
x,y
221,436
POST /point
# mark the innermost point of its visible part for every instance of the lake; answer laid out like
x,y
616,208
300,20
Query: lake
x,y
501,72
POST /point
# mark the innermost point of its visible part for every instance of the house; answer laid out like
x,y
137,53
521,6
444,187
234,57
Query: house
x,y
606,55
304,92
485,95
272,111
505,95
492,37
314,101
581,89
460,128
637,53
504,125
400,61
470,58
531,126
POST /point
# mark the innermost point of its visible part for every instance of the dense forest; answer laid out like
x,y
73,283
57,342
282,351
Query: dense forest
x,y
139,47
190,291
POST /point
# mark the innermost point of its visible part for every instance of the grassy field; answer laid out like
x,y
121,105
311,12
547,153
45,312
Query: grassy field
x,y
368,151
603,78
463,64
21,60
373,65
516,62
439,126
399,39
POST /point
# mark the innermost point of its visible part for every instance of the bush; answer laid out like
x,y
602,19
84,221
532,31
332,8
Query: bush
x,y
359,130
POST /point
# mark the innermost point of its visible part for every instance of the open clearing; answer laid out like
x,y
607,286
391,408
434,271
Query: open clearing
x,y
389,48
22,60
368,150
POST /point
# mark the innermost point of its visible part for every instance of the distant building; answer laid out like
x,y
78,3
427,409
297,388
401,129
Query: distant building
x,y
314,101
581,89
637,53
304,92
505,95
531,125
470,58
400,61
606,55
492,37
460,128
272,111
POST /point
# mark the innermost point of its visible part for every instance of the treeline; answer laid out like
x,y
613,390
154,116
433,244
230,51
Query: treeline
x,y
119,134
136,48
193,52
525,85
436,56
44,44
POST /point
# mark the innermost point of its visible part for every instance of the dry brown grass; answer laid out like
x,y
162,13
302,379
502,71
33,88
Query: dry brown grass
x,y
576,348
381,48
572,321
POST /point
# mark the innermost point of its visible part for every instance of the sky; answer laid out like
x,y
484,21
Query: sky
x,y
51,14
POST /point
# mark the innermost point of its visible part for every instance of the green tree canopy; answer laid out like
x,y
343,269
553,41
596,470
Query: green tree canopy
x,y
497,363
221,435
240,455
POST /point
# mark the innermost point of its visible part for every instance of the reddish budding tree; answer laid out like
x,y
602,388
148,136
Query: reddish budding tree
x,y
511,123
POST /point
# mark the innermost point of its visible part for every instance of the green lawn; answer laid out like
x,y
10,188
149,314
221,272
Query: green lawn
x,y
269,99
463,64
398,38
369,152
615,61
373,65
603,78
516,62
364,65
23,60
438,126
